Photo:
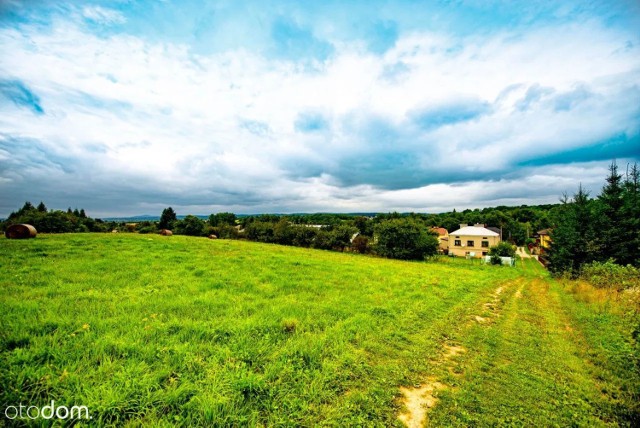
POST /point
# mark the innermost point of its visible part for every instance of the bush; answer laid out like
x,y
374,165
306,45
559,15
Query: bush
x,y
610,275
360,244
502,249
304,236
260,231
224,231
147,229
190,225
495,260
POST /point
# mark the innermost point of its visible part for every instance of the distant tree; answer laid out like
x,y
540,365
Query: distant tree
x,y
82,213
167,219
404,239
146,227
42,207
76,212
360,244
260,231
364,225
612,233
190,225
220,219
303,236
323,240
573,237
283,232
341,236
631,218
223,231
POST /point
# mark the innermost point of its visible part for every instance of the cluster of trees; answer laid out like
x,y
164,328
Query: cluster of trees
x,y
586,230
55,221
221,225
388,235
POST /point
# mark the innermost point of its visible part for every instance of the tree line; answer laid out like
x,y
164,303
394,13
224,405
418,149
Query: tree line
x,y
584,230
395,235
602,229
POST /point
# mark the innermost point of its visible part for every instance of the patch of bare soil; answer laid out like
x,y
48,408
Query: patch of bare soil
x,y
418,399
479,319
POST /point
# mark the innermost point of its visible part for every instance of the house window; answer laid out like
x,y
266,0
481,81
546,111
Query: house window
x,y
485,244
458,243
471,244
484,253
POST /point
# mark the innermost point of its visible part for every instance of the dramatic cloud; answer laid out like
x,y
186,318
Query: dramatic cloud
x,y
416,106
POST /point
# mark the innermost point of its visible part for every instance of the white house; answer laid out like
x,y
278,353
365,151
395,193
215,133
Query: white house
x,y
472,241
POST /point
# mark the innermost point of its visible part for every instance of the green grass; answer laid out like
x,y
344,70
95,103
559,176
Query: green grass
x,y
546,359
151,330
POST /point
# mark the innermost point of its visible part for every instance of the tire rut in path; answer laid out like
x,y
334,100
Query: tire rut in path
x,y
417,400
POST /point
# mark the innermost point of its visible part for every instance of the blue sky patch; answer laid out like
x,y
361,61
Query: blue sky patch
x,y
20,95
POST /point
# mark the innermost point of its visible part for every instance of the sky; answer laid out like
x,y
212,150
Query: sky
x,y
126,107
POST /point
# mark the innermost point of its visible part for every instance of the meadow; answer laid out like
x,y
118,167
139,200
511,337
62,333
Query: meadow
x,y
147,330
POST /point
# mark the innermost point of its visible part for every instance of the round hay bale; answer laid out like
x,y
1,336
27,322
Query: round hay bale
x,y
20,231
114,231
213,237
166,232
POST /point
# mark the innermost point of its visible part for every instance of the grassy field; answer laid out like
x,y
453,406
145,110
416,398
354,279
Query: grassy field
x,y
161,331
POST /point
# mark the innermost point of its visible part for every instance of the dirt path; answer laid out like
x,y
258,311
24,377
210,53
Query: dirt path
x,y
523,254
518,360
418,399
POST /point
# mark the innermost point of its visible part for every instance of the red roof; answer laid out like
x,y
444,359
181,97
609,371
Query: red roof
x,y
441,231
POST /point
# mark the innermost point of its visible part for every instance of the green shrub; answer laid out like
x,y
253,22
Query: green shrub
x,y
360,244
148,229
495,260
610,275
503,249
190,225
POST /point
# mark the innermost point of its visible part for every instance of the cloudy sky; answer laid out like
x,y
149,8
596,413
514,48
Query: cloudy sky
x,y
127,107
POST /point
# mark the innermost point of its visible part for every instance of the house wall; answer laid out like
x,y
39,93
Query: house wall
x,y
545,241
463,249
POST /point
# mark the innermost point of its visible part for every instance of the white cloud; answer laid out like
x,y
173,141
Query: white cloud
x,y
163,115
103,15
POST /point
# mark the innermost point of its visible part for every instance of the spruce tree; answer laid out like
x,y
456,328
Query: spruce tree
x,y
631,218
612,234
573,237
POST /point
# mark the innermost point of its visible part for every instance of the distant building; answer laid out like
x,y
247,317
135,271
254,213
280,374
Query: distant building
x,y
472,241
443,238
543,239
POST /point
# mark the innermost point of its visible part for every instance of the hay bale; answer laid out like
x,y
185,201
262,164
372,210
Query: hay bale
x,y
114,231
213,237
20,231
166,232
